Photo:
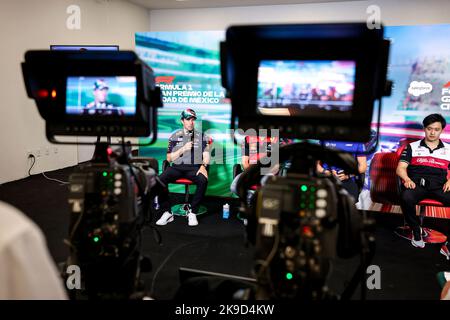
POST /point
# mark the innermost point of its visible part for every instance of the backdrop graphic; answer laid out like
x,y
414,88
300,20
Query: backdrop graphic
x,y
187,65
419,65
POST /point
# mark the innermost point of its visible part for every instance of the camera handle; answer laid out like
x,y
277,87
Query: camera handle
x,y
304,155
101,151
367,254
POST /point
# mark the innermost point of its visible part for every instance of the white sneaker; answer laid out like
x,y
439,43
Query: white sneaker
x,y
165,219
418,243
192,219
444,250
417,240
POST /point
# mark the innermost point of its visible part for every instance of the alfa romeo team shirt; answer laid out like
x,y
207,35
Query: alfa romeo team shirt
x,y
426,163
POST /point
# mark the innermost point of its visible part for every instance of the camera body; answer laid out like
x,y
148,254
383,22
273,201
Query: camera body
x,y
60,82
303,224
300,222
296,226
107,214
104,228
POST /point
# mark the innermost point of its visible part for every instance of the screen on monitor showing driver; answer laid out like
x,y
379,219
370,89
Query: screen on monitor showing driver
x,y
101,96
305,87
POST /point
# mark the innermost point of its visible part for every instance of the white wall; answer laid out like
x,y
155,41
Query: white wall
x,y
35,24
399,12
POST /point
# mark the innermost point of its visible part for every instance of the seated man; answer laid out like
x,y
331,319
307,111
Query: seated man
x,y
101,105
253,149
348,181
188,151
27,269
423,169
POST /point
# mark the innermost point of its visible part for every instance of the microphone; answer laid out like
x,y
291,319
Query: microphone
x,y
191,134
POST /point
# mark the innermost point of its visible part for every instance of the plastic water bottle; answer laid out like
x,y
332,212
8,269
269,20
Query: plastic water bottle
x,y
226,211
156,203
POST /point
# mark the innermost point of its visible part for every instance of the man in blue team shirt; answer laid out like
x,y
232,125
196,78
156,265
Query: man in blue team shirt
x,y
349,182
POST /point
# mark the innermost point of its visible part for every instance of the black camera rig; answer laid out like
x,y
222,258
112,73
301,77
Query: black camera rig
x,y
109,196
307,81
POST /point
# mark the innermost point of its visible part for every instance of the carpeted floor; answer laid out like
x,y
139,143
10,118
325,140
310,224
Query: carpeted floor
x,y
219,245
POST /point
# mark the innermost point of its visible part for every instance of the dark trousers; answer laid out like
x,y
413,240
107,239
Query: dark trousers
x,y
171,174
411,197
352,188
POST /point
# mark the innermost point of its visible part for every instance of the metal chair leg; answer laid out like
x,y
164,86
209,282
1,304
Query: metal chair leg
x,y
421,214
186,193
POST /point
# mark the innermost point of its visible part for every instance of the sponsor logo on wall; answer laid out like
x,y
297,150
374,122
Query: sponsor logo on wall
x,y
418,88
445,99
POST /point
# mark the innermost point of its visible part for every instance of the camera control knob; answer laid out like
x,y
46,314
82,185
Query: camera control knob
x,y
321,213
322,193
321,203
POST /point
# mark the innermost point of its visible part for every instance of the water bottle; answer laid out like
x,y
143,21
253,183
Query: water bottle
x,y
226,211
156,203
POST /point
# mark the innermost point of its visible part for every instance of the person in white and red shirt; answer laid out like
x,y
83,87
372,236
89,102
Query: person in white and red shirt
x,y
27,271
255,148
423,169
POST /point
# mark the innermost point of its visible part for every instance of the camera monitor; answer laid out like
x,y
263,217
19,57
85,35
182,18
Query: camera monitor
x,y
302,88
101,96
311,81
92,93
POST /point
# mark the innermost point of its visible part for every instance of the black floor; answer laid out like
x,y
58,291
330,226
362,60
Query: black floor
x,y
219,245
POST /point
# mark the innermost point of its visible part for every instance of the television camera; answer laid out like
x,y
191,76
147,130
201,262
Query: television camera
x,y
309,81
101,94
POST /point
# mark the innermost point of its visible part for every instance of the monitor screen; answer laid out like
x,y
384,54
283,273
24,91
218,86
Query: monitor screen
x,y
82,48
305,87
101,96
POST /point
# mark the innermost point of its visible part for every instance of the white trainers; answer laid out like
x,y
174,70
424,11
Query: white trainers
x,y
417,240
192,219
444,250
165,219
